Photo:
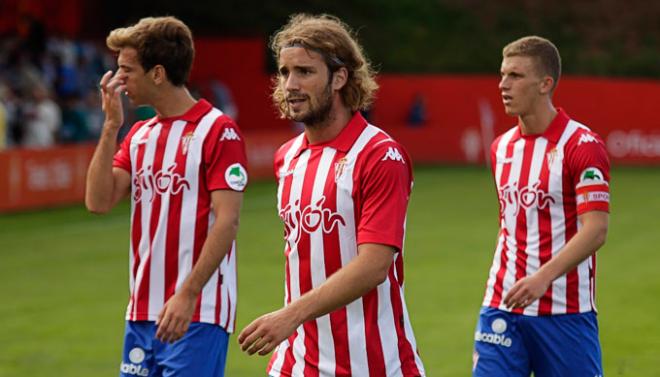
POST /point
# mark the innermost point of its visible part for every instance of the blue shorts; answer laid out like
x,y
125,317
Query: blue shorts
x,y
515,345
201,352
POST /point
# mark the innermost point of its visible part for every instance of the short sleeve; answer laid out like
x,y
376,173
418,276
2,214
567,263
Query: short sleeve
x,y
225,158
590,172
122,158
386,182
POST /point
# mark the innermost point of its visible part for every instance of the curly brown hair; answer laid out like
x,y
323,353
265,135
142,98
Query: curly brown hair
x,y
158,40
338,45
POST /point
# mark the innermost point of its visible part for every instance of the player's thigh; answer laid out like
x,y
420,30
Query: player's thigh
x,y
202,352
498,346
564,345
138,354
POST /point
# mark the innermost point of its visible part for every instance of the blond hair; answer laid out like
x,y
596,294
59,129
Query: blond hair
x,y
336,42
158,40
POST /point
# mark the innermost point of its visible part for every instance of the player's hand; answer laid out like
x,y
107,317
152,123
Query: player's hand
x,y
267,332
526,291
111,88
174,319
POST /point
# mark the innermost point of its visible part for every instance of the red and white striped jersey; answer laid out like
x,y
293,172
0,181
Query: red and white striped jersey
x,y
175,164
333,197
543,183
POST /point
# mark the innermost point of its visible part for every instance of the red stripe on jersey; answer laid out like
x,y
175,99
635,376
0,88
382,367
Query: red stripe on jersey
x,y
572,283
332,259
592,188
201,230
174,223
406,351
499,281
521,221
154,215
545,231
374,343
305,264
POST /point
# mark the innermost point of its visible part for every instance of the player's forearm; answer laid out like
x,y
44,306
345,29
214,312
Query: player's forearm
x,y
99,191
585,242
217,245
363,274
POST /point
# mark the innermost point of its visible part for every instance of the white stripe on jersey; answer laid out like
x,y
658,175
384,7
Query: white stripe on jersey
x,y
145,205
157,272
294,262
139,134
533,236
510,218
326,363
348,248
189,199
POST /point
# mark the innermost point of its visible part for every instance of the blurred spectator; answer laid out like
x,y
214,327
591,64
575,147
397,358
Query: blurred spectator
x,y
417,113
42,119
75,126
222,99
4,130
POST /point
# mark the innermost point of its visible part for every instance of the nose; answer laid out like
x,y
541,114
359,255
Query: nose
x,y
504,83
291,83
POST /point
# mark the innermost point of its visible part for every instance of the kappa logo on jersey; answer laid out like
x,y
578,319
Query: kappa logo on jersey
x,y
185,142
135,356
393,154
309,219
229,134
236,177
160,183
527,197
587,138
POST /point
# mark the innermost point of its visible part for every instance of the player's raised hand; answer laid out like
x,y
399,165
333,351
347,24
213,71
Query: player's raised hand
x,y
267,332
175,317
111,88
525,291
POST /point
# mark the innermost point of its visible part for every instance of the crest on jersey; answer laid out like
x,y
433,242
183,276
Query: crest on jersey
x,y
550,157
185,142
340,166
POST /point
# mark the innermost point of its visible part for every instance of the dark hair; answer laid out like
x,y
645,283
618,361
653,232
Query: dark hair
x,y
158,40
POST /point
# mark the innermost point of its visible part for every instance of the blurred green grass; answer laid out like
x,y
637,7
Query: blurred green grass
x,y
64,277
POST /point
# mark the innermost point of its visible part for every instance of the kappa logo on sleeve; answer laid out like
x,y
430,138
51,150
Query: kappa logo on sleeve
x,y
587,138
229,134
394,155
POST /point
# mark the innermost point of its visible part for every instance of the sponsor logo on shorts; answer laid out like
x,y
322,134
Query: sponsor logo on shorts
x,y
497,337
135,356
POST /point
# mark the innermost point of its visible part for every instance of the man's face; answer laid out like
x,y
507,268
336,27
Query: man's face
x,y
520,85
304,80
130,71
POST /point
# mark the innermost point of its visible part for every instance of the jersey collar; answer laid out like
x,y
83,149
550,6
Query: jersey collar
x,y
346,138
554,130
193,115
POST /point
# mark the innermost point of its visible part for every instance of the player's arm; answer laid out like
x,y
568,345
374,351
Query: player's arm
x,y
175,316
364,273
107,185
586,241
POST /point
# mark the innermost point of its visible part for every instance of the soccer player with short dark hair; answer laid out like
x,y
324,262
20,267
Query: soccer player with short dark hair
x,y
552,179
185,172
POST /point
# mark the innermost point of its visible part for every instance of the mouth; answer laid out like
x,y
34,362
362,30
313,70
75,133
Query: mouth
x,y
295,102
506,99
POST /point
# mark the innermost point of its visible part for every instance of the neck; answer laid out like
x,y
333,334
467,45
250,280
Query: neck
x,y
173,101
331,127
537,121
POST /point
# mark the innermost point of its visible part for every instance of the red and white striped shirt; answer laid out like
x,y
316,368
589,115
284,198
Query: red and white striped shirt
x,y
333,197
543,183
175,164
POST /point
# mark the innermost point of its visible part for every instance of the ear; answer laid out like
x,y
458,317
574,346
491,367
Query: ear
x,y
339,78
546,85
158,74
